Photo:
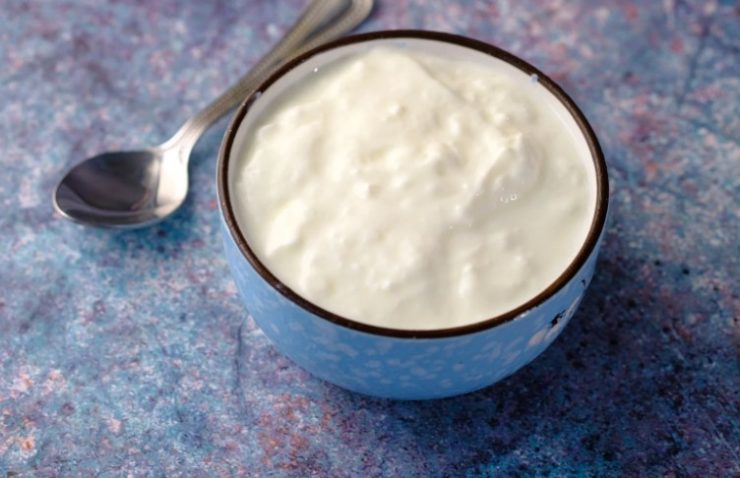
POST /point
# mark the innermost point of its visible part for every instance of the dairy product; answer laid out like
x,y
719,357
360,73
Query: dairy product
x,y
412,191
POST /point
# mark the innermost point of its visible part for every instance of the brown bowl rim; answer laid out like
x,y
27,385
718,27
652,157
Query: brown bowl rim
x,y
597,225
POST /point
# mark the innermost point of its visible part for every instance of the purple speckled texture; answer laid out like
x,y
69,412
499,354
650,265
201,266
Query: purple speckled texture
x,y
129,353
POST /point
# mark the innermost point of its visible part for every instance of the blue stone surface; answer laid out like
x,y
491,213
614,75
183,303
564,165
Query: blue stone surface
x,y
130,354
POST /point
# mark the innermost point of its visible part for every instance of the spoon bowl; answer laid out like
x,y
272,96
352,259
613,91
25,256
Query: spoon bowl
x,y
123,189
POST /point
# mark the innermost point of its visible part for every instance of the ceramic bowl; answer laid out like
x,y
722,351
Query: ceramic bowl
x,y
405,364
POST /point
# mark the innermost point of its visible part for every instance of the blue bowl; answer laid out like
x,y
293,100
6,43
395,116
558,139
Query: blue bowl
x,y
394,363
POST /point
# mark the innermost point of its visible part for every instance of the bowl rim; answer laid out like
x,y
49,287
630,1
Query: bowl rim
x,y
589,244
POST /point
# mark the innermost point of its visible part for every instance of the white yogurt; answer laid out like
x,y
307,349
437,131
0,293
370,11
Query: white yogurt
x,y
412,191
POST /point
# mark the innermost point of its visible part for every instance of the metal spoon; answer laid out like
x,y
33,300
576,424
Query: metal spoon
x,y
130,189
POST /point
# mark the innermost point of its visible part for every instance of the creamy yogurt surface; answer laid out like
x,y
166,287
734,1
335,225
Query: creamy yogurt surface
x,y
411,191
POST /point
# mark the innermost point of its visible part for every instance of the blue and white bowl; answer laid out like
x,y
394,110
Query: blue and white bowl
x,y
394,363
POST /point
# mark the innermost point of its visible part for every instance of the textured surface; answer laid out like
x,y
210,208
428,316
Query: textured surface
x,y
130,354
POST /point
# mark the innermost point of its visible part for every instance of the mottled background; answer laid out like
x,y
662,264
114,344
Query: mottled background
x,y
128,353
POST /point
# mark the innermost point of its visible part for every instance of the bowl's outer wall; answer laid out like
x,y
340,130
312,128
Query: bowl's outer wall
x,y
403,368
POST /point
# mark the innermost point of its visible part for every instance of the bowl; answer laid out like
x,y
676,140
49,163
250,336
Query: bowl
x,y
393,363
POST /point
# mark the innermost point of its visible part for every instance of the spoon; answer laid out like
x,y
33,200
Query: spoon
x,y
130,189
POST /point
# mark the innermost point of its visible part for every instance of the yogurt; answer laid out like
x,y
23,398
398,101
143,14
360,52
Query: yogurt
x,y
406,190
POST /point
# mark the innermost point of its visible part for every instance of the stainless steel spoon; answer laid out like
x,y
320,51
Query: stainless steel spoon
x,y
130,189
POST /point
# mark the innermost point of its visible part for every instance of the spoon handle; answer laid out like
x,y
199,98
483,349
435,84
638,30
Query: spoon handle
x,y
321,21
